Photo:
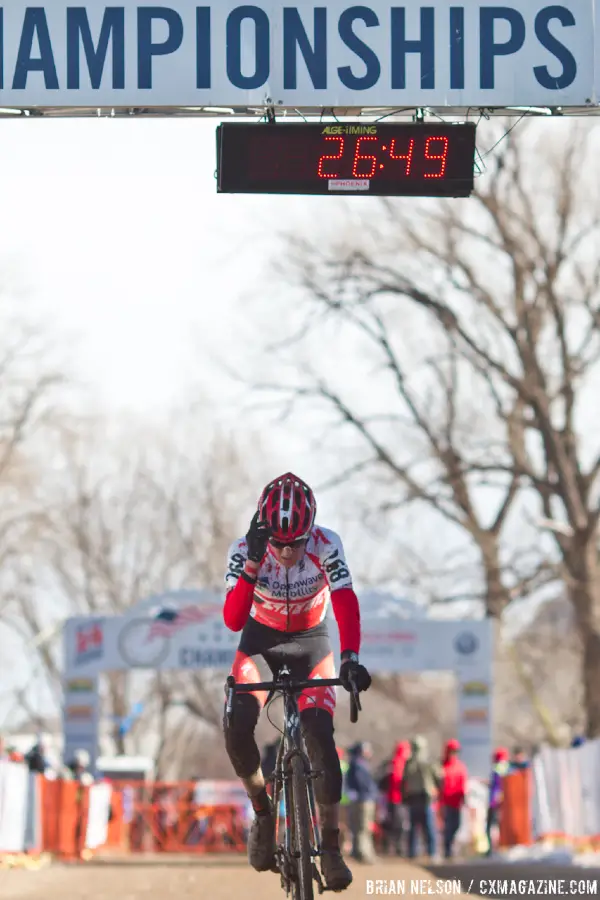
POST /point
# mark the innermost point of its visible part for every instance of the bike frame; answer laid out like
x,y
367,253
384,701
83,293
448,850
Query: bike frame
x,y
291,744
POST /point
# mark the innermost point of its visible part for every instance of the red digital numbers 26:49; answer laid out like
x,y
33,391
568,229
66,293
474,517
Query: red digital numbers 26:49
x,y
371,155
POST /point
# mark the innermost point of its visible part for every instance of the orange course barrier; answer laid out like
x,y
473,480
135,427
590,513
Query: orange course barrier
x,y
64,809
143,818
515,814
163,817
117,835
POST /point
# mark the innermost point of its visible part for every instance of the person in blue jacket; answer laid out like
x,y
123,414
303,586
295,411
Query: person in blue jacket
x,y
363,793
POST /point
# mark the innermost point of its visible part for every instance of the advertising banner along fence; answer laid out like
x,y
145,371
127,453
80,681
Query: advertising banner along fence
x,y
474,53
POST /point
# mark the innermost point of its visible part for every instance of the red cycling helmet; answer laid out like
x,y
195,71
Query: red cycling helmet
x,y
288,505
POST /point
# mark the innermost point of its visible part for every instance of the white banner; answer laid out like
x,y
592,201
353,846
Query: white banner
x,y
99,809
14,784
476,53
185,630
566,791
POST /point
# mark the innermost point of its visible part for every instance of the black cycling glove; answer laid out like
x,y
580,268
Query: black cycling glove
x,y
256,539
351,668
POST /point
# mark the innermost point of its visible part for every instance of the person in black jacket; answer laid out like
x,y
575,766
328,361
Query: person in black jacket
x,y
36,758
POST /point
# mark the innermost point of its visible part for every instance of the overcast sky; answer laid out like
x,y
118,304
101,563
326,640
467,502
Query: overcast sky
x,y
117,232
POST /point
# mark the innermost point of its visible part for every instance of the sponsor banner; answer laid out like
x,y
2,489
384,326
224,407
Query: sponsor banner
x,y
475,720
273,53
475,715
426,645
185,630
348,184
79,713
80,685
475,689
174,632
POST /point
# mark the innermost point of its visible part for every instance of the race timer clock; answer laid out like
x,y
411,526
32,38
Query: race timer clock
x,y
391,159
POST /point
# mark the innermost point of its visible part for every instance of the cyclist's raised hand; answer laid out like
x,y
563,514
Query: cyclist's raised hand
x,y
256,539
352,670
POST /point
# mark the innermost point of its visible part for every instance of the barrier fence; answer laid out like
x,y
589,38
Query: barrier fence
x,y
555,801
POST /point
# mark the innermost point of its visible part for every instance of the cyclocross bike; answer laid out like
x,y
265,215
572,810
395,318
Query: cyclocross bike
x,y
300,843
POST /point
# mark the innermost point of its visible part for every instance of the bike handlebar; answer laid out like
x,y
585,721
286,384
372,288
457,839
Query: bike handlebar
x,y
292,685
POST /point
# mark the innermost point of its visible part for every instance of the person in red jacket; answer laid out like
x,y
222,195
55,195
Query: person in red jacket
x,y
453,793
395,829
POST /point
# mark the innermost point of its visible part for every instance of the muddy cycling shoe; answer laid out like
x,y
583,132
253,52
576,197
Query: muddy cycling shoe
x,y
336,874
261,842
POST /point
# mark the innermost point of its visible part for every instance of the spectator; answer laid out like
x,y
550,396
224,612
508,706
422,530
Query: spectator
x,y
77,769
394,826
500,768
420,782
4,755
453,793
519,759
37,758
362,793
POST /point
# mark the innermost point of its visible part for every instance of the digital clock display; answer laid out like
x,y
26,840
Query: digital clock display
x,y
388,159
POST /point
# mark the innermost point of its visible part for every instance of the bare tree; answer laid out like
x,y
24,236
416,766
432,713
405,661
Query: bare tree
x,y
127,512
476,325
31,389
35,393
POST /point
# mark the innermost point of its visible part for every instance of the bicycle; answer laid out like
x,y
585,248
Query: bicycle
x,y
293,775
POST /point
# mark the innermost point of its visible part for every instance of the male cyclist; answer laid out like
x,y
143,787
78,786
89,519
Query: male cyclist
x,y
279,581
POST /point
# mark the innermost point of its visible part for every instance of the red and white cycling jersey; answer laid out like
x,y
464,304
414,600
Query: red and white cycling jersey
x,y
297,598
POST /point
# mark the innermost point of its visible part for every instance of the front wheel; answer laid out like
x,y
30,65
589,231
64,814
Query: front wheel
x,y
302,887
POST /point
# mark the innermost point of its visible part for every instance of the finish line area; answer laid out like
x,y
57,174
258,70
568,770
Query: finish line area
x,y
300,70
375,100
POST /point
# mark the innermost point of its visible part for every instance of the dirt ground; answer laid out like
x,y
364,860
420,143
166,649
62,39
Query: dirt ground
x,y
213,878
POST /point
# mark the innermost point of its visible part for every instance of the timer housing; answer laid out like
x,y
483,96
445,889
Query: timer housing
x,y
378,159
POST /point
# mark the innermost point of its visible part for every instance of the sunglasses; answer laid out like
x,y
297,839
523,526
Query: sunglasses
x,y
295,545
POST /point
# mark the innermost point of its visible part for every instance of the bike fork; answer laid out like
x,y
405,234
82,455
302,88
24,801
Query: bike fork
x,y
316,831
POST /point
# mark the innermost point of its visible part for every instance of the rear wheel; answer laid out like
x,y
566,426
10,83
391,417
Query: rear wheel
x,y
302,888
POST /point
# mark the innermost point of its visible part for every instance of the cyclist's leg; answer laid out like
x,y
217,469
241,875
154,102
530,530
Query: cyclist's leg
x,y
240,742
317,706
244,754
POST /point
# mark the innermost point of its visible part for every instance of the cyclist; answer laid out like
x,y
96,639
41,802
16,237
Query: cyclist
x,y
279,582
